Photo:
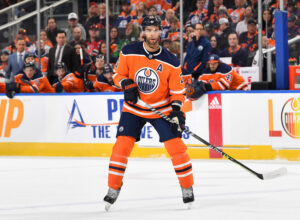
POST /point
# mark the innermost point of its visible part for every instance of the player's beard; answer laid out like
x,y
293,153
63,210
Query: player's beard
x,y
154,45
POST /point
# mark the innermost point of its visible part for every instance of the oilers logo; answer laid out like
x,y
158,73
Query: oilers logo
x,y
147,80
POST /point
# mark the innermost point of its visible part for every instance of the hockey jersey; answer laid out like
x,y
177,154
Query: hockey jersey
x,y
38,81
225,78
158,77
103,85
71,83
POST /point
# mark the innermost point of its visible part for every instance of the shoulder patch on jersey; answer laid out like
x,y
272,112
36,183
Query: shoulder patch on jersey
x,y
228,77
159,68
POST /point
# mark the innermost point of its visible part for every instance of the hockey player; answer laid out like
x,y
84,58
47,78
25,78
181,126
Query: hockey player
x,y
217,76
151,73
104,81
66,81
31,80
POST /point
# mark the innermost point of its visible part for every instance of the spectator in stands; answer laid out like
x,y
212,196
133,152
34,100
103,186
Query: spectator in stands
x,y
47,43
242,26
267,18
209,29
152,11
254,5
166,43
124,18
212,15
61,53
293,29
101,20
66,81
16,60
104,81
214,44
114,40
43,58
73,22
3,61
93,14
139,12
256,58
131,33
51,30
248,40
165,24
238,13
102,51
189,29
23,34
198,15
226,30
196,54
93,42
175,48
161,5
174,32
76,36
238,54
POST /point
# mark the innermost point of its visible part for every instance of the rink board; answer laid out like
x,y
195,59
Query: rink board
x,y
249,125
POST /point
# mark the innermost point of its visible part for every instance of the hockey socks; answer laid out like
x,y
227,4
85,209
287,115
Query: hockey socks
x,y
181,162
118,161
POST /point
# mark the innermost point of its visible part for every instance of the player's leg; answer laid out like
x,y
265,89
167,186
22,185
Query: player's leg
x,y
180,159
129,131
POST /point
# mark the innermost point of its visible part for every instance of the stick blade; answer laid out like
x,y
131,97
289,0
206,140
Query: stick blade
x,y
275,173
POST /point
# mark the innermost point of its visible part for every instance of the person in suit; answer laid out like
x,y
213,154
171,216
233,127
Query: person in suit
x,y
16,60
61,53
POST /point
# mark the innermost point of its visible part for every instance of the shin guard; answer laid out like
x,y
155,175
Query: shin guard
x,y
118,161
181,161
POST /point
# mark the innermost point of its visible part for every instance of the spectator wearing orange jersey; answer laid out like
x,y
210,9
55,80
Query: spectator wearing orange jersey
x,y
135,3
66,81
165,24
248,40
104,81
161,5
197,15
31,80
238,13
139,12
173,33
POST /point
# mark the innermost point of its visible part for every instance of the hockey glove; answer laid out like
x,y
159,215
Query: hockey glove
x,y
59,88
195,89
88,84
178,119
131,92
11,89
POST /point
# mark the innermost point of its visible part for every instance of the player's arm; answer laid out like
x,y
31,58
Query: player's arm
x,y
176,86
121,70
45,86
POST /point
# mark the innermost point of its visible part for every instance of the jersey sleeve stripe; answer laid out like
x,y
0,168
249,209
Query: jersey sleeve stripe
x,y
177,92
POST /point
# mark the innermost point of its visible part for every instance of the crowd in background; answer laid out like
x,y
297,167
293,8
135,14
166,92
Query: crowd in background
x,y
225,28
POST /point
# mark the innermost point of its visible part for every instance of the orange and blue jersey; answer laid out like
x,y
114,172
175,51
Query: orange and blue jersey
x,y
161,5
225,78
196,17
248,42
123,20
71,83
38,81
103,85
237,15
158,77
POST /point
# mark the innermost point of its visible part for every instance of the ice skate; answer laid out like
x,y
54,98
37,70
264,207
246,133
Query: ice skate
x,y
111,197
188,196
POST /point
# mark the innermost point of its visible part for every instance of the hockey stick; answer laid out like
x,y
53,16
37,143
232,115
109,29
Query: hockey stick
x,y
263,176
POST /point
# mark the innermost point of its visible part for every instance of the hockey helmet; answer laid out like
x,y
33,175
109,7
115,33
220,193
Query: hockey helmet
x,y
108,68
60,66
30,64
151,21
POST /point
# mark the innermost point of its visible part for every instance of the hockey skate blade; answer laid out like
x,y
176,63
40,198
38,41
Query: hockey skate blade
x,y
189,205
107,206
274,174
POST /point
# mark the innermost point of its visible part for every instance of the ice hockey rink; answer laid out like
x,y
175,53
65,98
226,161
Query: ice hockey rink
x,y
73,188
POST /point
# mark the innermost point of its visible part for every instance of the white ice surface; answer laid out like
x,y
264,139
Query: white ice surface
x,y
73,188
